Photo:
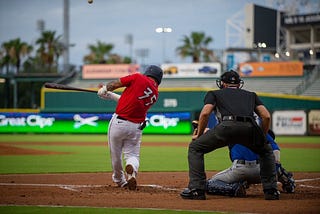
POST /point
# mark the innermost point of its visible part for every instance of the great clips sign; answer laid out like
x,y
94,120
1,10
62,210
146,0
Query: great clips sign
x,y
158,123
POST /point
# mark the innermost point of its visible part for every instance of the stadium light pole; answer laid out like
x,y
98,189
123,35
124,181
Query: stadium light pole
x,y
164,30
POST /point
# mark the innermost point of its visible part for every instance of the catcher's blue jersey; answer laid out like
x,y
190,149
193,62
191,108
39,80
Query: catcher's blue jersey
x,y
240,152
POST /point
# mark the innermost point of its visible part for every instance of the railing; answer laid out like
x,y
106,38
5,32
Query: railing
x,y
307,82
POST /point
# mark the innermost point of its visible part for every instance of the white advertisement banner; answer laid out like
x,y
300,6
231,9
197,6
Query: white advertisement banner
x,y
289,122
191,70
314,122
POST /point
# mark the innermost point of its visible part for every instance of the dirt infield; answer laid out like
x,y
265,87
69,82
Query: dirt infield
x,y
157,190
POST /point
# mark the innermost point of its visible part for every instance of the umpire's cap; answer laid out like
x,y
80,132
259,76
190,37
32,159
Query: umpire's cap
x,y
155,72
231,77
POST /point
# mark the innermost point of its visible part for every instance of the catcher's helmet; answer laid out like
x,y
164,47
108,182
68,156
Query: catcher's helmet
x,y
230,77
155,72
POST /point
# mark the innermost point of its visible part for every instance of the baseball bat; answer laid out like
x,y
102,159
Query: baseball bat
x,y
65,87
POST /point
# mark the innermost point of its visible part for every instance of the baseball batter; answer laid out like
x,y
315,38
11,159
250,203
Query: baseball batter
x,y
126,125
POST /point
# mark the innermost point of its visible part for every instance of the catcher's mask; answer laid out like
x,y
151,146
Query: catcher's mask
x,y
230,77
155,72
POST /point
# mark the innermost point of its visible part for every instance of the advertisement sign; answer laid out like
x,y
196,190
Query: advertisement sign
x,y
168,123
314,122
191,70
230,62
107,71
263,69
303,19
289,122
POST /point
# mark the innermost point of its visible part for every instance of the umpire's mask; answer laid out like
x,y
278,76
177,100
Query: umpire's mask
x,y
230,77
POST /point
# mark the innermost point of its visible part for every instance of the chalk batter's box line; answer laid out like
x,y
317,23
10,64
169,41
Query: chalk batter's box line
x,y
74,187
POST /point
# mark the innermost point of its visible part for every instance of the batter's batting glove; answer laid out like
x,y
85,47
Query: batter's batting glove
x,y
102,91
110,96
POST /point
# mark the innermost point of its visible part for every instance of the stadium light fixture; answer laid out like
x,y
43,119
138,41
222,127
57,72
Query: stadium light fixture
x,y
287,53
164,30
311,52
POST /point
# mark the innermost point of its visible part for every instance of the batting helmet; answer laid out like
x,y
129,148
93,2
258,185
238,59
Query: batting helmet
x,y
230,77
155,72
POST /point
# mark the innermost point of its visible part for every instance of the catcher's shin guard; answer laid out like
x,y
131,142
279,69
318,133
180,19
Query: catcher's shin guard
x,y
217,187
286,179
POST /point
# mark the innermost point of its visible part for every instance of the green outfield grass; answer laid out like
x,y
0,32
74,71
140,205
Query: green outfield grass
x,y
95,158
146,138
81,210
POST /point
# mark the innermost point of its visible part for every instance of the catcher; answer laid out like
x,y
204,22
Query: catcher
x,y
245,170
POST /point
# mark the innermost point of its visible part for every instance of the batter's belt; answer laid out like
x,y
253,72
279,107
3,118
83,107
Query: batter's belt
x,y
142,125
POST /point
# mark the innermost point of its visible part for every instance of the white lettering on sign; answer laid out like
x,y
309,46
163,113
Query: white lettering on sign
x,y
36,120
31,120
79,121
170,103
161,120
19,121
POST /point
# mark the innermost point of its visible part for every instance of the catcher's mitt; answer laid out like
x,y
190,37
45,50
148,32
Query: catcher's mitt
x,y
286,179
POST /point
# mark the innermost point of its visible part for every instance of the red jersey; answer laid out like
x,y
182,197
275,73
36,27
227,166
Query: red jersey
x,y
140,94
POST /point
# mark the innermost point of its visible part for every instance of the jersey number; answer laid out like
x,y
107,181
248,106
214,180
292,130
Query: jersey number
x,y
148,93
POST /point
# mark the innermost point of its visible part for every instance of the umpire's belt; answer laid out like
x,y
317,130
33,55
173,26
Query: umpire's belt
x,y
236,118
245,162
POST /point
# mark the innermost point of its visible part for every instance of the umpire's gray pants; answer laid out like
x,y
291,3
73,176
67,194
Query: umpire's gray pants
x,y
225,133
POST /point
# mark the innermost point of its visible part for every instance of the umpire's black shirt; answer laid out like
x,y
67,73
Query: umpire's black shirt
x,y
233,102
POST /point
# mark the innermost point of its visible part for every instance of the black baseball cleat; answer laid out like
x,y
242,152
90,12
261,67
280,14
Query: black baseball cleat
x,y
193,194
132,181
271,194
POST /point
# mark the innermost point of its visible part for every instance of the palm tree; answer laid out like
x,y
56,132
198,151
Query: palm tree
x,y
15,50
5,57
99,53
195,46
18,51
50,48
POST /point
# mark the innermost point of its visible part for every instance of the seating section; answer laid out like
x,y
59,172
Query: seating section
x,y
277,85
313,90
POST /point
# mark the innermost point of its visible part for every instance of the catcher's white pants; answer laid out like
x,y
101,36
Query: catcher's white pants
x,y
240,172
124,138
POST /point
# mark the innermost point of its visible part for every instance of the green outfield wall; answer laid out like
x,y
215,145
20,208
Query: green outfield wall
x,y
170,100
83,112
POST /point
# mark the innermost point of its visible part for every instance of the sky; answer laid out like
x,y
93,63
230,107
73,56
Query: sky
x,y
110,21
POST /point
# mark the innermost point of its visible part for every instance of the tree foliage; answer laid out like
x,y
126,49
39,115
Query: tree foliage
x,y
101,53
196,47
13,53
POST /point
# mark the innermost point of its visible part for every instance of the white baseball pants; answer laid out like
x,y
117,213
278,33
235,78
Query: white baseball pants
x,y
124,140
